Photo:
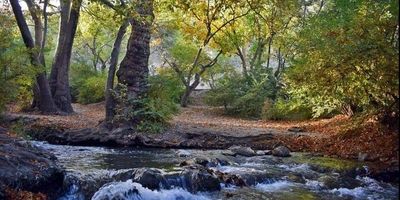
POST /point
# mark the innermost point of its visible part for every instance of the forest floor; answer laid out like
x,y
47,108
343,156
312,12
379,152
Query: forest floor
x,y
337,136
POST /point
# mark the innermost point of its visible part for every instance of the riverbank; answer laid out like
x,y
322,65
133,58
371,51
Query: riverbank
x,y
203,127
27,172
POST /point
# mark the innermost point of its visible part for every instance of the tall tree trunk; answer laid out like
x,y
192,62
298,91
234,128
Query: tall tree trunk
x,y
59,79
269,50
44,100
110,103
133,71
242,55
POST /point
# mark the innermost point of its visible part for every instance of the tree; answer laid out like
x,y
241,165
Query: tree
x,y
59,79
133,71
95,35
202,21
346,58
110,103
43,97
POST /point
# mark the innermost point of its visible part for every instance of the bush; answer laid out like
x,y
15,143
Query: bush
x,y
79,75
161,103
243,96
285,110
154,110
92,90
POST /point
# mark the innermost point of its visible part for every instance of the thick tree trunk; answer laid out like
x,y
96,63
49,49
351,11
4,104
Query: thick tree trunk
x,y
110,103
133,71
59,79
44,100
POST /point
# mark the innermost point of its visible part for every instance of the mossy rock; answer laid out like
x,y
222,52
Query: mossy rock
x,y
298,194
328,164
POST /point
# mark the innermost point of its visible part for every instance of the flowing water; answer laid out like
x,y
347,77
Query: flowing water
x,y
300,176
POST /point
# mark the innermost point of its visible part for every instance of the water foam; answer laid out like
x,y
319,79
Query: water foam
x,y
134,191
273,187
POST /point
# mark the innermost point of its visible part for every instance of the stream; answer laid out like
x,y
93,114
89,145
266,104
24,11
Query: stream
x,y
97,173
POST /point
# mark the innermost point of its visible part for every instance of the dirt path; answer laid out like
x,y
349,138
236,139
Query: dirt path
x,y
209,119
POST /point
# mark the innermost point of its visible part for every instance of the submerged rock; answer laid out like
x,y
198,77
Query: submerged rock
x,y
243,151
26,167
117,190
135,191
331,182
281,151
183,153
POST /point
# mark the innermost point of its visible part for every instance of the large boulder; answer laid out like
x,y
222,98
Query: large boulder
x,y
29,168
281,151
243,151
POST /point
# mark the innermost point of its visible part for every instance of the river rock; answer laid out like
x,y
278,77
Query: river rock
x,y
296,177
195,161
243,151
263,152
229,179
228,153
29,168
281,151
329,182
118,191
200,180
150,178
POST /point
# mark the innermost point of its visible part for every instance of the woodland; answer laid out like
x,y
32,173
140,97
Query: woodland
x,y
310,81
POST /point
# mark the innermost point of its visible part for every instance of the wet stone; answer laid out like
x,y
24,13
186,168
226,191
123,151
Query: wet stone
x,y
281,151
243,151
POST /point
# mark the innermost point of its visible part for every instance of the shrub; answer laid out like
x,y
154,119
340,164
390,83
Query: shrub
x,y
285,110
243,95
154,110
92,90
79,75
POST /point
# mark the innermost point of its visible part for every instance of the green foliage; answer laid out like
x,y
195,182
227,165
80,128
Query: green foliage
x,y
243,95
166,87
87,85
285,110
153,111
93,89
149,115
16,73
347,55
